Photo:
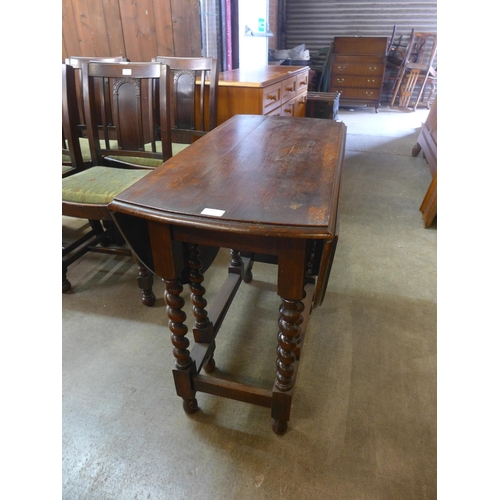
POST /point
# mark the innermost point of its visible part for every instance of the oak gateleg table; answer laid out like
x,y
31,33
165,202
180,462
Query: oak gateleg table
x,y
268,188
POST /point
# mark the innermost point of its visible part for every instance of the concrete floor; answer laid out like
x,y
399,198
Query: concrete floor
x,y
363,420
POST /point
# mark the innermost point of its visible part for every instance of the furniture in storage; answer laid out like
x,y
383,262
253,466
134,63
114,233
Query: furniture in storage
x,y
142,141
87,192
269,90
357,69
427,143
192,77
417,69
242,187
80,64
323,105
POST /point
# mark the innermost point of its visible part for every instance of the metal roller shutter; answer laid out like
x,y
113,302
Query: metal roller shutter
x,y
316,22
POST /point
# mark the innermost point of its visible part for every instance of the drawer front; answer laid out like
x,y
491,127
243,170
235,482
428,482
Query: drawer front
x,y
356,81
351,59
288,88
274,112
300,105
271,98
302,81
295,107
349,68
288,109
360,45
366,94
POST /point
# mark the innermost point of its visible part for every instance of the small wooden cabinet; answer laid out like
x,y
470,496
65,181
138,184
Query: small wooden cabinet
x,y
357,69
270,90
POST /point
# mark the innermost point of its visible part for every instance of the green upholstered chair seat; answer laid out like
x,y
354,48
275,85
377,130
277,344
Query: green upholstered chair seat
x,y
85,149
99,185
149,162
134,160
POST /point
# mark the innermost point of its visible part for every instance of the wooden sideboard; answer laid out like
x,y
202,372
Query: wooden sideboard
x,y
270,90
357,69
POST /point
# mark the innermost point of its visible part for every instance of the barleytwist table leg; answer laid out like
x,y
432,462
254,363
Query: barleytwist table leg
x,y
236,264
203,328
288,336
197,289
184,365
289,325
298,339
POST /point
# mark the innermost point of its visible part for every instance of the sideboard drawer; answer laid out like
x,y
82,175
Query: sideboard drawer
x,y
288,109
361,68
303,82
361,94
357,81
288,88
271,98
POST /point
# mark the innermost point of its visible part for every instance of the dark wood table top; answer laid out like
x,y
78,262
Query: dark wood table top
x,y
253,174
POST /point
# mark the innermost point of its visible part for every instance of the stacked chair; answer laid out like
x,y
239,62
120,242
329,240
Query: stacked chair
x,y
129,123
416,69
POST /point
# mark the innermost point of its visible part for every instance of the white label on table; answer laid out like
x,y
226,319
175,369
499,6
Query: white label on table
x,y
212,211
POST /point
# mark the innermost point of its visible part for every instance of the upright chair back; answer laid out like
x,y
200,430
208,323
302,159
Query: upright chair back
x,y
78,63
71,151
194,95
139,120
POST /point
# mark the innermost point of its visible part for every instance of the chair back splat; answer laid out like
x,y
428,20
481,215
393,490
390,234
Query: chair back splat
x,y
78,63
194,93
139,120
71,151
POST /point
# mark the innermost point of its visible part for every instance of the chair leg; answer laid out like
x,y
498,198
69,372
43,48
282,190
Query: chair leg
x,y
407,91
66,285
114,233
145,282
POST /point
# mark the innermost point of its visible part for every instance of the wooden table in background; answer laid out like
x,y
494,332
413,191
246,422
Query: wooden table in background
x,y
268,188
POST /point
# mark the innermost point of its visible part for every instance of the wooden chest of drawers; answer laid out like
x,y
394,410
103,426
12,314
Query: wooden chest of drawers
x,y
357,70
270,90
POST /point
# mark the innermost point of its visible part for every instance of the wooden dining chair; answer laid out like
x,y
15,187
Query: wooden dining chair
x,y
87,193
137,134
194,84
416,69
78,63
71,148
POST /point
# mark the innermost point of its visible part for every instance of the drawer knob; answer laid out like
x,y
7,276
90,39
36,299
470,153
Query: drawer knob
x,y
370,80
372,68
272,97
303,82
287,110
340,80
289,89
341,68
369,93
